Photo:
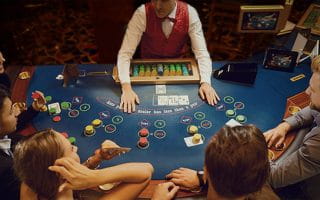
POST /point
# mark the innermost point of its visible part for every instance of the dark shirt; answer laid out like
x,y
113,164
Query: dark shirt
x,y
9,183
5,80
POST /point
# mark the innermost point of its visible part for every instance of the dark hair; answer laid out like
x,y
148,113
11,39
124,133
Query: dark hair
x,y
4,93
237,161
33,156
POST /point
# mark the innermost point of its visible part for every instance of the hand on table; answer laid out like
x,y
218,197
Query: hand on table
x,y
77,176
165,191
276,136
38,103
184,177
208,93
128,99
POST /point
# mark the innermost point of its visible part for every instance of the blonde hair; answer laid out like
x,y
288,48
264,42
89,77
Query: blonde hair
x,y
315,65
33,156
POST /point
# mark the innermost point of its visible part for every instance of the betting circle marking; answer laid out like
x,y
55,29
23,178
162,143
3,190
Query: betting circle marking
x,y
228,99
117,119
238,105
110,128
73,113
206,124
84,107
159,134
159,123
199,115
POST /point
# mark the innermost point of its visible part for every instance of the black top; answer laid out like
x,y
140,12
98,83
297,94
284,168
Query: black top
x,y
9,183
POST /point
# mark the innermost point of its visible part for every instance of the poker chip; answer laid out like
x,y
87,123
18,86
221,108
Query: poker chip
x,y
48,98
65,105
89,130
108,186
192,129
56,119
96,122
196,138
241,118
143,143
52,111
24,75
72,140
230,113
35,95
144,132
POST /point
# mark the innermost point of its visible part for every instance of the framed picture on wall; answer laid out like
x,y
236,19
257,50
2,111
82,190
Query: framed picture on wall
x,y
311,19
257,19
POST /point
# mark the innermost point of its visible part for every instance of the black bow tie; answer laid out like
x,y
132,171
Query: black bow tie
x,y
169,18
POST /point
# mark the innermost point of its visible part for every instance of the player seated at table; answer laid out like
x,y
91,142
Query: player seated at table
x,y
12,119
236,166
302,165
34,156
163,27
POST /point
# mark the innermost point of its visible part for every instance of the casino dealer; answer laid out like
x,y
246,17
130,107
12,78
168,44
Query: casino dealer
x,y
152,24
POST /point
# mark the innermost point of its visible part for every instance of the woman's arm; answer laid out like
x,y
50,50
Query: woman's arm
x,y
80,177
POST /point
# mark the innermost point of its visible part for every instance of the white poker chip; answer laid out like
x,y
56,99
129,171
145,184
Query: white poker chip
x,y
59,77
108,186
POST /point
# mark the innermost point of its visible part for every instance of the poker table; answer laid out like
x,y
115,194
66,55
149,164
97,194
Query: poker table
x,y
97,97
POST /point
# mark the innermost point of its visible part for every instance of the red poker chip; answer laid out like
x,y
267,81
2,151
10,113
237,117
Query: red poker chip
x,y
35,95
144,132
143,141
56,118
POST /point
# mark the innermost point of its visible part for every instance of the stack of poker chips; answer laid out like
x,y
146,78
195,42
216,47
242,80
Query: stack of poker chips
x,y
177,69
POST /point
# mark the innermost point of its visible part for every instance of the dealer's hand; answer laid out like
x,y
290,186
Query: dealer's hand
x,y
184,177
128,99
165,191
208,93
276,136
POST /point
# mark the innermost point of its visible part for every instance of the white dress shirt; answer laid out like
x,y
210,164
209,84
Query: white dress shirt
x,y
5,145
137,27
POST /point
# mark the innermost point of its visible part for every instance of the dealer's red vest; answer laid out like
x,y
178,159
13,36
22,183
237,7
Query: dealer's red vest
x,y
154,43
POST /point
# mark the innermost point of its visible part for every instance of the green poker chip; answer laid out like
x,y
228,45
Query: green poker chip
x,y
72,140
48,98
230,113
65,105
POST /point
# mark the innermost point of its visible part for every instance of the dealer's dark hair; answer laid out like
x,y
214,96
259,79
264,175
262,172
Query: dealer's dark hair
x,y
237,161
33,156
